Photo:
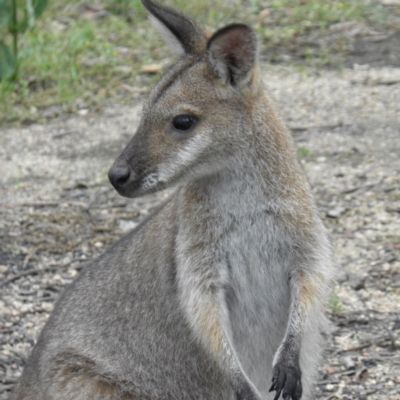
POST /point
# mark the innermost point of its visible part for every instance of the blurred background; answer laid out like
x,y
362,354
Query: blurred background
x,y
75,55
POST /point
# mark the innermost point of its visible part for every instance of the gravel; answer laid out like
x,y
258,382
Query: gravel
x,y
58,210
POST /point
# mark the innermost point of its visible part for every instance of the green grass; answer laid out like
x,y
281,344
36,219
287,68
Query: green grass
x,y
303,152
291,18
75,62
335,304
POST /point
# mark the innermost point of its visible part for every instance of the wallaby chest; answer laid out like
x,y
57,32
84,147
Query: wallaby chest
x,y
233,241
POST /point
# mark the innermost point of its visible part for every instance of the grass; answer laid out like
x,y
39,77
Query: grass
x,y
335,304
72,61
303,152
291,18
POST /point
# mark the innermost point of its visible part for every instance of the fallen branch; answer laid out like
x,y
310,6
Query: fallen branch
x,y
38,271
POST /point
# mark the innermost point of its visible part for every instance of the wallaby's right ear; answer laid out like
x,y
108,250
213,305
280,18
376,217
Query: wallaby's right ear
x,y
182,34
232,53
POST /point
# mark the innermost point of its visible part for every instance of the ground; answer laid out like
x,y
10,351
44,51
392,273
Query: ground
x,y
58,210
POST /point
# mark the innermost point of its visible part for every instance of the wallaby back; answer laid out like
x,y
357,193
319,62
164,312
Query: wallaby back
x,y
222,290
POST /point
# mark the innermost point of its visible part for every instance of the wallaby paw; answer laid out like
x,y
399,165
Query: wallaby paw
x,y
288,380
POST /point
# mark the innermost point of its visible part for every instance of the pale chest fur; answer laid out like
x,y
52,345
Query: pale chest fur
x,y
231,239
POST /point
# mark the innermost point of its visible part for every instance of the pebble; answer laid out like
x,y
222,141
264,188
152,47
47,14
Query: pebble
x,y
329,387
334,213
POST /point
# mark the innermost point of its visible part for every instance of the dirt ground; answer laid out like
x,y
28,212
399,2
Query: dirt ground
x,y
58,210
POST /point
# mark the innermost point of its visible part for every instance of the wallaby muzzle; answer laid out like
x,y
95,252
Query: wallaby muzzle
x,y
119,175
124,179
131,167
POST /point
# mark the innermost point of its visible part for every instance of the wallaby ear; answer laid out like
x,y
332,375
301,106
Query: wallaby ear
x,y
232,52
182,34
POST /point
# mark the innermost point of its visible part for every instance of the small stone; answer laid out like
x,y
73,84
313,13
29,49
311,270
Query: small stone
x,y
348,363
334,213
329,387
357,282
99,245
126,226
342,275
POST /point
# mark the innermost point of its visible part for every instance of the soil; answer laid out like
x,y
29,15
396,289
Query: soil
x,y
344,45
58,210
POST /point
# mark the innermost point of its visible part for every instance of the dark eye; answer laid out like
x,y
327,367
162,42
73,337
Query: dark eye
x,y
184,122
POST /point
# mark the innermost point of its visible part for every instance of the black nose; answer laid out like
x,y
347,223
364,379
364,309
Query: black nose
x,y
118,176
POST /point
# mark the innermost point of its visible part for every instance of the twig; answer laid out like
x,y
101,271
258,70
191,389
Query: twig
x,y
62,134
332,396
325,382
391,337
358,348
38,271
47,204
350,190
10,380
28,257
382,312
4,388
8,330
393,360
38,204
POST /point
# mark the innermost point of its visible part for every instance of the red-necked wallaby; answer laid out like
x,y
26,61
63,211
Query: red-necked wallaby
x,y
222,290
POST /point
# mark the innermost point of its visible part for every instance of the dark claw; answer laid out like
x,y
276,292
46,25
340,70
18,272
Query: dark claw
x,y
278,393
274,380
287,380
298,391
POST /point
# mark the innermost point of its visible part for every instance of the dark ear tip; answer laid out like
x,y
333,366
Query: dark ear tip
x,y
231,28
190,35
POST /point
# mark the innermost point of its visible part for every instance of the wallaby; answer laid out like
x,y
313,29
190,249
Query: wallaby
x,y
220,291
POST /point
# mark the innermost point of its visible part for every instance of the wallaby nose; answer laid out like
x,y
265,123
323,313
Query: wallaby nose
x,y
118,176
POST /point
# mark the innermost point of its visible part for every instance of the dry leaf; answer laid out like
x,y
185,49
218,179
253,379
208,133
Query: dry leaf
x,y
152,68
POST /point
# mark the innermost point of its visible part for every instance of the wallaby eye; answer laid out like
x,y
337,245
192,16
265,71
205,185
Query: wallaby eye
x,y
184,122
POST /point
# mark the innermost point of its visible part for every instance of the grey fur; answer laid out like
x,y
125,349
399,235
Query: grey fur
x,y
224,287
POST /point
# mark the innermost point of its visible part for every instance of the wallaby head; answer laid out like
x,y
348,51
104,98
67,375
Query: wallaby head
x,y
194,119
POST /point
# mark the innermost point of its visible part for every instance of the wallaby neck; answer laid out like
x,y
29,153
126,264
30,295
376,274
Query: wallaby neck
x,y
264,176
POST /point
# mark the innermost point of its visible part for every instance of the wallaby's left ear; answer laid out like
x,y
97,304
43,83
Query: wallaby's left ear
x,y
232,52
183,34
